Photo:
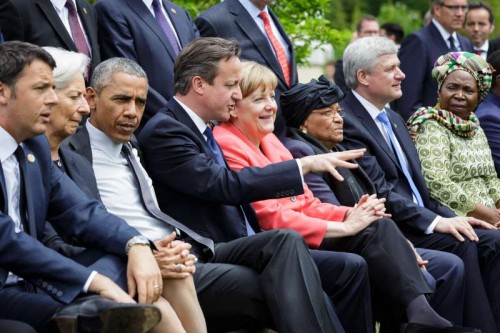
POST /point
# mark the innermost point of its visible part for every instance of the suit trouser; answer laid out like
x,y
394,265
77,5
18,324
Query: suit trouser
x,y
391,261
263,279
35,307
11,326
482,274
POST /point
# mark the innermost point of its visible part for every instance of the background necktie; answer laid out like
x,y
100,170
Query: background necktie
x,y
453,47
162,21
278,48
152,208
220,160
76,29
382,117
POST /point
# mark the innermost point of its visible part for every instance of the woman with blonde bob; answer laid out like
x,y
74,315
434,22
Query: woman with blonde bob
x,y
247,140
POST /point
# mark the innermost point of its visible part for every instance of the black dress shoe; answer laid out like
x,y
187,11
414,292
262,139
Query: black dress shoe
x,y
95,314
421,328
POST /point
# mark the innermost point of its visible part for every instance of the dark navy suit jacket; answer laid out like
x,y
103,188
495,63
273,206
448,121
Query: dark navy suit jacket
x,y
229,19
40,25
382,166
128,29
53,197
418,53
192,188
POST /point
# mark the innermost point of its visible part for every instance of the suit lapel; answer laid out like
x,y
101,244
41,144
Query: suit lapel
x,y
3,194
80,142
87,25
55,21
31,169
253,32
436,36
176,22
145,15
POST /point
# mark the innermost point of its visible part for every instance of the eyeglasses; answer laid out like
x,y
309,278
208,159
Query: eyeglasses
x,y
455,8
331,113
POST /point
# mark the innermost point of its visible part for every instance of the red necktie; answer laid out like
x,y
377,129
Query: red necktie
x,y
76,29
278,49
478,52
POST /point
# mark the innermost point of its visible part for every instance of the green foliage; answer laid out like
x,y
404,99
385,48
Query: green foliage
x,y
409,19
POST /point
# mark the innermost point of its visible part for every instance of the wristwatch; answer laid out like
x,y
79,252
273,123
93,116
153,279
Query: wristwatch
x,y
136,240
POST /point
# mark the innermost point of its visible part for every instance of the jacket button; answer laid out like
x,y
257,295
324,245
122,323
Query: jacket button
x,y
59,293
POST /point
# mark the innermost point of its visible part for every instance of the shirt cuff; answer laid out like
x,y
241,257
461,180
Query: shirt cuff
x,y
430,228
89,281
300,170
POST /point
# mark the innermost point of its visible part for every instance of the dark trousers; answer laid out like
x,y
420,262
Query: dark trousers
x,y
27,304
264,279
11,326
391,261
482,274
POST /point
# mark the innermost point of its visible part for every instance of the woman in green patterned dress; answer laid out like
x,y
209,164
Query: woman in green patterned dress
x,y
455,156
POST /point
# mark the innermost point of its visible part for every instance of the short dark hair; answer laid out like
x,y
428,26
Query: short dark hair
x,y
201,58
366,18
16,55
394,29
479,5
494,61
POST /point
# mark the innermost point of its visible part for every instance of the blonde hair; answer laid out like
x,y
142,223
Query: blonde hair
x,y
255,76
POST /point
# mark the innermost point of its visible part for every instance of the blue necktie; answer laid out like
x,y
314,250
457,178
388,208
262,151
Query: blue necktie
x,y
220,160
162,21
382,117
453,47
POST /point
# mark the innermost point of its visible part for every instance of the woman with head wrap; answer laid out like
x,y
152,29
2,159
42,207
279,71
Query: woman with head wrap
x,y
247,140
453,149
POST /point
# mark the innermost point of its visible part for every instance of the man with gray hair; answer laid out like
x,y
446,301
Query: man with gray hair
x,y
419,51
372,71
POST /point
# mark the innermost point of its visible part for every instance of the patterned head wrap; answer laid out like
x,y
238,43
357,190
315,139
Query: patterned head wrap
x,y
473,64
302,99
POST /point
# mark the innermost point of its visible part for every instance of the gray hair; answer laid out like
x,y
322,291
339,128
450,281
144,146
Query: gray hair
x,y
103,73
363,54
68,64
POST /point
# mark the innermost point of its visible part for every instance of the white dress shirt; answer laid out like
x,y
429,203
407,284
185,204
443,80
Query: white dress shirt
x,y
484,49
62,11
118,187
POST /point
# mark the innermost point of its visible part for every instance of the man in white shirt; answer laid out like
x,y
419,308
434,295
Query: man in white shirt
x,y
35,281
419,51
479,24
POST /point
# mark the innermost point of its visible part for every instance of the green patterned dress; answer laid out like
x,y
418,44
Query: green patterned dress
x,y
459,170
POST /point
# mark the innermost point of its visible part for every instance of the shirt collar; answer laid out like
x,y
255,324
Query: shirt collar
x,y
9,145
200,124
372,109
101,140
445,34
483,47
59,4
252,9
148,3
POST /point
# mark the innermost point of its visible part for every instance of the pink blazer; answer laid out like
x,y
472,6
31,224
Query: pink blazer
x,y
303,213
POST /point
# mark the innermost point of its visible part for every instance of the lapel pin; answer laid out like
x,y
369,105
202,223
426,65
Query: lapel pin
x,y
85,11
173,10
30,158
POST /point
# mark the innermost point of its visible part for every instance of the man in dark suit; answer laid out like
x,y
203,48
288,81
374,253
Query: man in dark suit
x,y
488,111
50,23
190,175
479,24
131,29
241,20
35,281
421,49
422,219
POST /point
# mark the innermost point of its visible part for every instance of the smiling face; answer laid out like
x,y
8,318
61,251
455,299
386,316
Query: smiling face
x,y
326,125
459,94
254,115
220,97
383,83
27,104
478,26
118,109
67,114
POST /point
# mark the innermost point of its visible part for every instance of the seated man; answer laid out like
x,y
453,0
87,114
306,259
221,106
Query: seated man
x,y
195,187
117,99
35,281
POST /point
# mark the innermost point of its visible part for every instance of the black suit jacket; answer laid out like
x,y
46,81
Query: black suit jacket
x,y
128,29
382,166
229,19
418,53
53,197
494,45
192,188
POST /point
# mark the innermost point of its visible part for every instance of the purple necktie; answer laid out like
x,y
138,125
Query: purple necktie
x,y
162,21
76,29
